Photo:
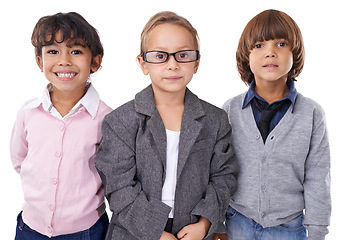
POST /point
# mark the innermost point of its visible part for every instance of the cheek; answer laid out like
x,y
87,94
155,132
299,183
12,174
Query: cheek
x,y
252,63
290,62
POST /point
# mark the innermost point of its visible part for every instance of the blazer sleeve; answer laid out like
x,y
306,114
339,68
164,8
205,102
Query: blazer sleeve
x,y
18,143
317,180
223,178
116,163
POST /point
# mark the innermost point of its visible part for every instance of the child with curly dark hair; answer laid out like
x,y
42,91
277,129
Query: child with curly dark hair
x,y
55,137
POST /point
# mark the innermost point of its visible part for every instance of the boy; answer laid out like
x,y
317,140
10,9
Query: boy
x,y
55,137
279,137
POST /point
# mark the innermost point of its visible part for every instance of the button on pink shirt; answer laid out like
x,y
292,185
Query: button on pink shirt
x,y
55,159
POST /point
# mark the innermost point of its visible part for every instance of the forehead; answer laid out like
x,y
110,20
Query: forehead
x,y
169,37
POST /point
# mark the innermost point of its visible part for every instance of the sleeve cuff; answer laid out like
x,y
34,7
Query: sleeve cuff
x,y
316,232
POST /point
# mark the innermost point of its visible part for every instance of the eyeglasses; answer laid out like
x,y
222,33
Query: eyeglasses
x,y
183,56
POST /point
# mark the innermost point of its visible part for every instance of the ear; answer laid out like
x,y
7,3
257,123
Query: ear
x,y
143,65
196,66
39,61
96,63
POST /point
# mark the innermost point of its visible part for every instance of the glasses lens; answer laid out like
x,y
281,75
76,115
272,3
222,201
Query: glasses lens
x,y
186,56
156,57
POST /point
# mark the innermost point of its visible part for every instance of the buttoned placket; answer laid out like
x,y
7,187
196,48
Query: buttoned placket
x,y
264,175
57,155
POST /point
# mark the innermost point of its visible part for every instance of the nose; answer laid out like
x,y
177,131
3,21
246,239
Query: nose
x,y
64,59
270,52
172,64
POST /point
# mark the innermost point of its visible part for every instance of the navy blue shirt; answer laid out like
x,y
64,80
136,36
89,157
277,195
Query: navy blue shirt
x,y
289,100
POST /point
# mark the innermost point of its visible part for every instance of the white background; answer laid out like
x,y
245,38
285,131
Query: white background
x,y
219,24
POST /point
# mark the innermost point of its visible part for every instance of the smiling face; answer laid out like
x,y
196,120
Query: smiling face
x,y
271,60
170,76
67,65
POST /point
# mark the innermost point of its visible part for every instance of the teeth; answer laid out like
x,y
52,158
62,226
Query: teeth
x,y
66,75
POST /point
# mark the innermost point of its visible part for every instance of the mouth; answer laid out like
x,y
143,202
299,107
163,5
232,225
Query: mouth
x,y
270,66
65,75
173,78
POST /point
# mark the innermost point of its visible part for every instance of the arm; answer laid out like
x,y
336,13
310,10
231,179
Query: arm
x,y
223,175
317,181
144,218
18,143
220,232
219,236
167,236
196,231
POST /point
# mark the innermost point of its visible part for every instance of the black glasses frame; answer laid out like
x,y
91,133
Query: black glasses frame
x,y
171,54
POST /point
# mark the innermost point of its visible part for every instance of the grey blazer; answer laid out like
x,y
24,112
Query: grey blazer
x,y
131,161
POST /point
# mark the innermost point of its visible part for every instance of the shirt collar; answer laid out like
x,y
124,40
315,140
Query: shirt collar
x,y
291,95
90,101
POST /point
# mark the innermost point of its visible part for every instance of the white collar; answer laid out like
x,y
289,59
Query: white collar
x,y
90,101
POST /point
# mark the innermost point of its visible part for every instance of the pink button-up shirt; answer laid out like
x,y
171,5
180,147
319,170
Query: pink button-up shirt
x,y
55,159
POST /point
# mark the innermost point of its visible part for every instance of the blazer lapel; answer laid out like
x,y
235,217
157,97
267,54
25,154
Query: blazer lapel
x,y
190,128
145,104
157,129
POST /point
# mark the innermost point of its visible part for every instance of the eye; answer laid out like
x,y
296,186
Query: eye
x,y
76,52
52,52
282,44
258,45
160,56
183,55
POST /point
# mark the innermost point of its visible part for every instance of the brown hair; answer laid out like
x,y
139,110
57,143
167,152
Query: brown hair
x,y
268,25
73,28
168,17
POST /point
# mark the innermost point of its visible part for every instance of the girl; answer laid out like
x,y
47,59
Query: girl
x,y
166,159
280,139
55,137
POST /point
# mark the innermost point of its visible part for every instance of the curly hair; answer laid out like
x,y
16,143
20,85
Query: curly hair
x,y
73,28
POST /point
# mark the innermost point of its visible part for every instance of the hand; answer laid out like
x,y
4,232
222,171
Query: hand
x,y
196,231
167,236
219,236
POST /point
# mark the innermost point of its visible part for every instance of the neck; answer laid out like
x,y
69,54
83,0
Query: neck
x,y
65,101
169,98
170,106
272,91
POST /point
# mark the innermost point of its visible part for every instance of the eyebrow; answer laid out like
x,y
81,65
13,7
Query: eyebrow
x,y
69,44
75,43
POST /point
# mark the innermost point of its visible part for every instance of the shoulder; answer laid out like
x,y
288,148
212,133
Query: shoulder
x,y
103,108
305,105
214,118
28,106
309,109
122,114
236,101
211,110
31,103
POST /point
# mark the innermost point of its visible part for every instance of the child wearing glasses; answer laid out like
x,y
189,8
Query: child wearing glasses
x,y
280,140
55,136
166,159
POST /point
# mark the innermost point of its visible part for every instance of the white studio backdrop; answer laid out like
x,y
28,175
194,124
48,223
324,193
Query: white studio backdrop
x,y
119,23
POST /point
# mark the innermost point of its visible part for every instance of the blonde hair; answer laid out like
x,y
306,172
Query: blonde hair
x,y
168,17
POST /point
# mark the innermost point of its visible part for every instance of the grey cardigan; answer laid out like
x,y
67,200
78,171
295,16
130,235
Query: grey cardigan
x,y
287,174
132,159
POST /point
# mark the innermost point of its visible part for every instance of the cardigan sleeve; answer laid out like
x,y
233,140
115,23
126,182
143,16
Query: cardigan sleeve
x,y
317,180
223,178
116,163
18,143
